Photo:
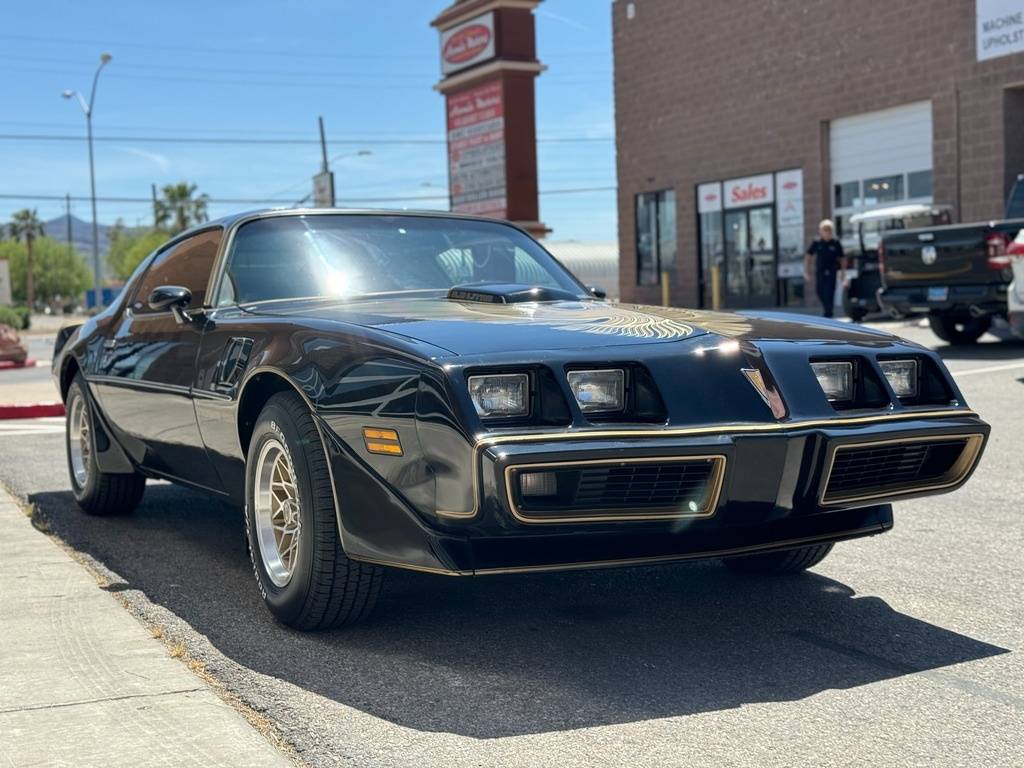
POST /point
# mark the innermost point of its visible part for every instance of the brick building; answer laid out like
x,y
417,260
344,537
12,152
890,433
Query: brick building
x,y
740,125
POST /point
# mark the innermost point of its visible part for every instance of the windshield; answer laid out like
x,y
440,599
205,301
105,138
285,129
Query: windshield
x,y
353,255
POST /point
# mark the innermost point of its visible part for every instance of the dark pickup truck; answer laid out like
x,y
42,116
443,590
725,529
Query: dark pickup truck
x,y
958,273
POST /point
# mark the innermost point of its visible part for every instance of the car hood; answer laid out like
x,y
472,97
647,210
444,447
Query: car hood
x,y
469,328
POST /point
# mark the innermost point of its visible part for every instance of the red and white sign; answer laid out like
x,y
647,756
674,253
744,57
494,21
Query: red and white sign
x,y
752,190
709,197
476,151
468,43
789,195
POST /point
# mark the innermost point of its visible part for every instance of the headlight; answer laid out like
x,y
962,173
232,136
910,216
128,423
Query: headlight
x,y
902,376
599,390
836,380
503,394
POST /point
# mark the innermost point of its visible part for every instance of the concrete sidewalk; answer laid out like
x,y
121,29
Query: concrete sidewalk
x,y
82,683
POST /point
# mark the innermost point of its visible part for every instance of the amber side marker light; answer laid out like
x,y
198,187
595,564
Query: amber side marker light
x,y
383,441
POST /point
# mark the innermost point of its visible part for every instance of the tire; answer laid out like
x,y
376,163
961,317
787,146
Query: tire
x,y
779,563
959,330
97,493
291,525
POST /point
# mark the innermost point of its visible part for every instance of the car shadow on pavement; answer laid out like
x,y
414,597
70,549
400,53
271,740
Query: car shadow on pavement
x,y
510,655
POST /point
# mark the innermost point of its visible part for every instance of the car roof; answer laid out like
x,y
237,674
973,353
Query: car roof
x,y
265,213
896,212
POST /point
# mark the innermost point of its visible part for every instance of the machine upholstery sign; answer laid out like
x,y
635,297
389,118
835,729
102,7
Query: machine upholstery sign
x,y
476,151
1000,27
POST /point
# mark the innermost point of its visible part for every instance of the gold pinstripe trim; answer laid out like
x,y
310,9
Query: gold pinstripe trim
x,y
482,443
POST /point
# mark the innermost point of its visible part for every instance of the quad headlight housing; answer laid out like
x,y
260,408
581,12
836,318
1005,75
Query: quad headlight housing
x,y
902,376
599,391
835,379
500,395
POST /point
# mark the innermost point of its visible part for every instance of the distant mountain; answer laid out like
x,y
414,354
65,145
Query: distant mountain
x,y
81,233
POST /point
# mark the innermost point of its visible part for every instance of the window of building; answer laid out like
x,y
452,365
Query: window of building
x,y
188,263
847,194
712,254
656,236
919,184
883,189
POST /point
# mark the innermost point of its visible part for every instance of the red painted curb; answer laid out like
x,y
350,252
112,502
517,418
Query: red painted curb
x,y
9,364
30,410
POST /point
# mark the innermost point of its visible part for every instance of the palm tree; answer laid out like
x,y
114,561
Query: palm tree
x,y
179,210
25,225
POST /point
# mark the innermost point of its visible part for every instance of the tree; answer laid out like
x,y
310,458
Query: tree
x,y
128,248
178,210
59,274
25,225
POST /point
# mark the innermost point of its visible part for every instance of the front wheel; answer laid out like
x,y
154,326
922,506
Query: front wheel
x,y
304,576
959,330
779,563
97,492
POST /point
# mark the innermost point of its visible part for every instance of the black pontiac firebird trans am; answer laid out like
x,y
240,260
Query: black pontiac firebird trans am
x,y
436,392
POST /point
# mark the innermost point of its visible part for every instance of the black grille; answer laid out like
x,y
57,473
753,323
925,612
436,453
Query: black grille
x,y
901,467
626,489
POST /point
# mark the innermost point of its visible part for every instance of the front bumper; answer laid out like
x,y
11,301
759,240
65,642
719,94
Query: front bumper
x,y
771,494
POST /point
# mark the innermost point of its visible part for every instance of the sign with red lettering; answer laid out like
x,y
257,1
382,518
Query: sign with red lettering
x,y
709,197
749,191
468,43
476,151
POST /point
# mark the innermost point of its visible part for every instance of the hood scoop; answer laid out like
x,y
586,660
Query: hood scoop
x,y
508,293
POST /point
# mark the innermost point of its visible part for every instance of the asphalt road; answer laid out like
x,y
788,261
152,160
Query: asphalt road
x,y
903,649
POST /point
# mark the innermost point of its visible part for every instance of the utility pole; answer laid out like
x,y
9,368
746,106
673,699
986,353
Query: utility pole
x,y
323,182
67,212
87,109
323,146
156,207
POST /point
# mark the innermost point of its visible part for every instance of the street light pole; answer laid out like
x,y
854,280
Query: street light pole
x,y
87,109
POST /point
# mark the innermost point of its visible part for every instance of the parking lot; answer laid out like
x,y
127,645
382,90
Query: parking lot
x,y
900,648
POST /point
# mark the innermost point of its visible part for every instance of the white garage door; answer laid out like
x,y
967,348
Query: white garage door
x,y
880,159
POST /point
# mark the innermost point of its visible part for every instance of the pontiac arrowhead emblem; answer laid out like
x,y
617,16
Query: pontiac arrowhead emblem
x,y
757,381
771,397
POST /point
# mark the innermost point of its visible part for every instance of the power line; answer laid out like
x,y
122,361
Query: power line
x,y
261,51
287,201
268,141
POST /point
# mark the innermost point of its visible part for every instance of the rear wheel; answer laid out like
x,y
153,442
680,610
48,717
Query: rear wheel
x,y
959,330
98,493
779,563
304,576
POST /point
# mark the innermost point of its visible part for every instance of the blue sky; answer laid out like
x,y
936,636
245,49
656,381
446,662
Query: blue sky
x,y
263,69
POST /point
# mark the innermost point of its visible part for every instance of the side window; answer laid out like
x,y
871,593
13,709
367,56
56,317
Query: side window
x,y
187,263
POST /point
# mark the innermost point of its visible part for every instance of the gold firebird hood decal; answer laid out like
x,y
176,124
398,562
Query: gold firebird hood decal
x,y
619,320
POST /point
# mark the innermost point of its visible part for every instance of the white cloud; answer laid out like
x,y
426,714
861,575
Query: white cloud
x,y
160,161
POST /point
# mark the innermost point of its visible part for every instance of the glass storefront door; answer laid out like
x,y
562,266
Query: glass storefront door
x,y
750,279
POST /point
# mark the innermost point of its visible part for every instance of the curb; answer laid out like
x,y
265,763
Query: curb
x,y
30,410
6,365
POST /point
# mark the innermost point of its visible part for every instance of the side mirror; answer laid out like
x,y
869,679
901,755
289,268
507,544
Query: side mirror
x,y
169,297
598,291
